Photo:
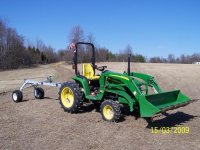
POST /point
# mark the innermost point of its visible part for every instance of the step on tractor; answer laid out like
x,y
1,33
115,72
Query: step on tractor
x,y
110,90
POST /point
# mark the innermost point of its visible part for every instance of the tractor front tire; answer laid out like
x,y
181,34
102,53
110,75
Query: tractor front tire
x,y
70,97
17,96
39,93
110,111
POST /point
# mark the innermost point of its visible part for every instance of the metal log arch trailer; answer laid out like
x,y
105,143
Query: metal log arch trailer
x,y
17,95
110,90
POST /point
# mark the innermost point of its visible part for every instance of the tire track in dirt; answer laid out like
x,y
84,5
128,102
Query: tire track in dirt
x,y
64,72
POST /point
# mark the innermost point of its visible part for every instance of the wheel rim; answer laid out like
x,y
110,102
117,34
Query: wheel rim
x,y
67,97
36,93
14,96
108,112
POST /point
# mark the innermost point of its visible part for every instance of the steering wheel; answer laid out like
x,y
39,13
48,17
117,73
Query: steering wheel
x,y
101,68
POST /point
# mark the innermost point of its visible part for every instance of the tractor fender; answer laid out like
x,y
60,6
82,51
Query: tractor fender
x,y
82,83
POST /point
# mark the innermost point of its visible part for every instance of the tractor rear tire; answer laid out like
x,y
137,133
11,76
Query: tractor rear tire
x,y
110,111
70,97
39,93
17,96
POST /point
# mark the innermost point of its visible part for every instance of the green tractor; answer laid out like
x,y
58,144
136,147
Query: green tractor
x,y
112,90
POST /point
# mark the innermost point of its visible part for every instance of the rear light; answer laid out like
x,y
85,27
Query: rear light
x,y
73,66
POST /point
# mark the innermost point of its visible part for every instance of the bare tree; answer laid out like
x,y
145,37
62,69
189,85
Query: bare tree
x,y
2,37
14,53
171,58
88,51
90,38
155,60
76,34
50,54
40,45
61,54
128,50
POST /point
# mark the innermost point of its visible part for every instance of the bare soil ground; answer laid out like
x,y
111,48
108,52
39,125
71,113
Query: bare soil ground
x,y
42,124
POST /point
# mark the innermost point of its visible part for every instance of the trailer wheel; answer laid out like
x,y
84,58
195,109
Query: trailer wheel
x,y
70,97
39,93
17,96
110,111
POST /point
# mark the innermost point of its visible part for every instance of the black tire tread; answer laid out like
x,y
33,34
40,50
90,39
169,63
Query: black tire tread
x,y
19,95
77,96
41,93
116,108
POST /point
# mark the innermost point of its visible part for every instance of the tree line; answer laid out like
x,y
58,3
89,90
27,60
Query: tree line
x,y
103,54
183,59
15,53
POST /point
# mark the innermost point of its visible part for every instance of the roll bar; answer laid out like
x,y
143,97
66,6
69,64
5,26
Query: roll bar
x,y
75,59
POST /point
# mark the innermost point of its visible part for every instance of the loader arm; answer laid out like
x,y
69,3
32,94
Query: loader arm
x,y
148,81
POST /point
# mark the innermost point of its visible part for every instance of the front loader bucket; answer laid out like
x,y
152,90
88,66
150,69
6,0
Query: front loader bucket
x,y
157,103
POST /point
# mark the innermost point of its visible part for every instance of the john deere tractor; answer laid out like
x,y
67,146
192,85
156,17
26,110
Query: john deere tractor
x,y
112,90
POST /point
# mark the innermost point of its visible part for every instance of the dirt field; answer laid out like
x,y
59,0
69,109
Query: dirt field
x,y
42,124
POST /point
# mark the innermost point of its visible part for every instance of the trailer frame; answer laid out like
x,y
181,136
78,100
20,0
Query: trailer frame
x,y
17,95
49,82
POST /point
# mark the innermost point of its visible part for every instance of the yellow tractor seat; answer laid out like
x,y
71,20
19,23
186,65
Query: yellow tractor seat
x,y
88,72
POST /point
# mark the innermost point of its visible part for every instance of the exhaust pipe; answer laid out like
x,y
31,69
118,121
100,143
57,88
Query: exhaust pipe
x,y
129,64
